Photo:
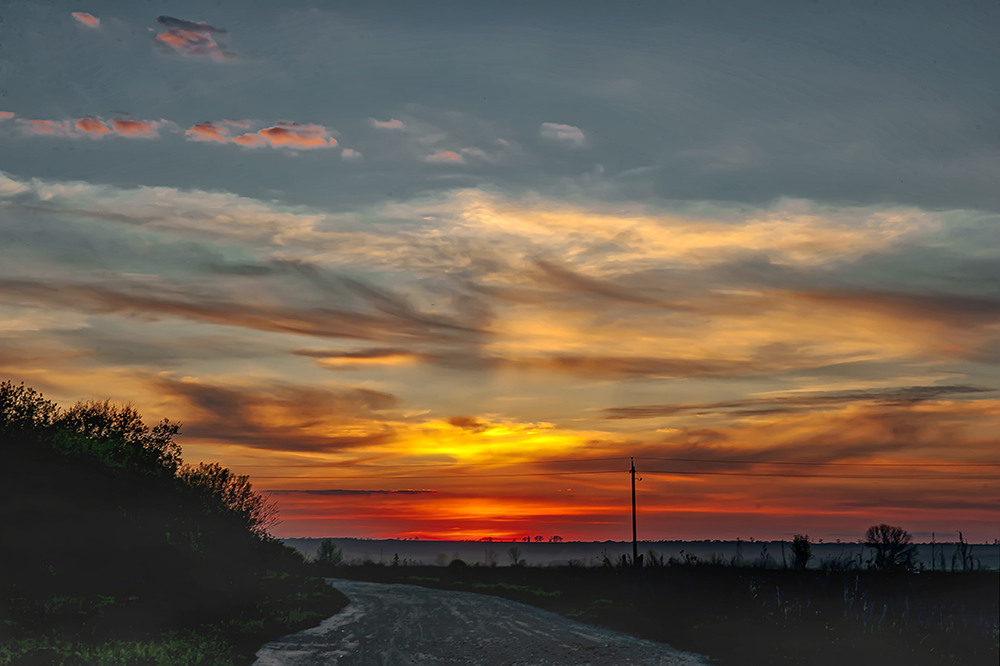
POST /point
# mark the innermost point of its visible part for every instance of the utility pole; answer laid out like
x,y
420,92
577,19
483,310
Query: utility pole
x,y
635,544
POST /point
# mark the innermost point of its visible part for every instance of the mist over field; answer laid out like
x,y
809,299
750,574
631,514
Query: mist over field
x,y
593,553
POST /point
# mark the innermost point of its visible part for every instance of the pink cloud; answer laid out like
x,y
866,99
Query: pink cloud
x,y
289,135
45,127
445,157
191,38
92,127
86,19
392,124
136,129
192,43
350,154
212,131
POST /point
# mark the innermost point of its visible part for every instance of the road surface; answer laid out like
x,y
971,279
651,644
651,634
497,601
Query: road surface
x,y
408,624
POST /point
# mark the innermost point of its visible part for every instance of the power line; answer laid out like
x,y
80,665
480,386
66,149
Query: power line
x,y
832,463
914,477
953,477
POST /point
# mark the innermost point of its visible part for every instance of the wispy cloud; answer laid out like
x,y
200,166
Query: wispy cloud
x,y
905,395
391,124
337,492
444,157
281,416
567,134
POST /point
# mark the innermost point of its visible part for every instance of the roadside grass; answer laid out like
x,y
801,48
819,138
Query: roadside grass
x,y
102,629
741,615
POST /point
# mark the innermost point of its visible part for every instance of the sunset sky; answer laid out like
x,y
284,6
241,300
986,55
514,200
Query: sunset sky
x,y
438,269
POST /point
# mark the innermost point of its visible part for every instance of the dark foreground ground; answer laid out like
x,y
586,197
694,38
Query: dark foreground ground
x,y
411,624
750,616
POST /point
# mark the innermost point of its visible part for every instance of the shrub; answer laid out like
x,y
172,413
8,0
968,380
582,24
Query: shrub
x,y
892,547
801,550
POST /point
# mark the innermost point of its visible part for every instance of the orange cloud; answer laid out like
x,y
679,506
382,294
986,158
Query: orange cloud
x,y
210,131
445,157
86,19
138,129
93,127
387,124
6,115
45,127
350,154
289,135
193,43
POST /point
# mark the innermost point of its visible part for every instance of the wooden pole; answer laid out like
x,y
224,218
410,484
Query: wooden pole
x,y
635,544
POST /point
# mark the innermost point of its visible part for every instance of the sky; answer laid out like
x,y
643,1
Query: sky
x,y
440,269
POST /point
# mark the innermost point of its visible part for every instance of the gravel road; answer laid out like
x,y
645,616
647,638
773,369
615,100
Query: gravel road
x,y
408,624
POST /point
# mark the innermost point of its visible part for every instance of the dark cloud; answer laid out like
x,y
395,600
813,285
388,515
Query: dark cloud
x,y
396,321
181,24
191,38
240,415
468,423
899,396
345,491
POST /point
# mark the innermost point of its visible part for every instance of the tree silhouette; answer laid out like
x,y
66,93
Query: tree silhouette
x,y
117,435
330,554
232,493
514,553
801,550
892,546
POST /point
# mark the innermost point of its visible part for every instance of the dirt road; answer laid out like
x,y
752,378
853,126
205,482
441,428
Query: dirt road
x,y
408,624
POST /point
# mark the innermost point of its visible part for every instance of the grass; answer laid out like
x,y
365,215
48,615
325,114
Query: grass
x,y
102,629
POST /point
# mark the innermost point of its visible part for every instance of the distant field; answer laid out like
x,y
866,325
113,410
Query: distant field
x,y
587,553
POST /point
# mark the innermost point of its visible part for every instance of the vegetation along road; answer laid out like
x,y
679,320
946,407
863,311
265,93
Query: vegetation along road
x,y
408,624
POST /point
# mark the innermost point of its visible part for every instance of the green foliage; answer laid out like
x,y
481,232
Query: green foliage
x,y
116,552
117,435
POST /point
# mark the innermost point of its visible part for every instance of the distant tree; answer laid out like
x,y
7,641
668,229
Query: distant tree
x,y
556,539
801,551
892,545
330,554
233,493
526,539
514,553
539,539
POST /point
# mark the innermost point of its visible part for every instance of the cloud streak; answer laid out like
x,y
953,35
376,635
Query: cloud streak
x,y
191,39
283,135
567,134
92,127
87,20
